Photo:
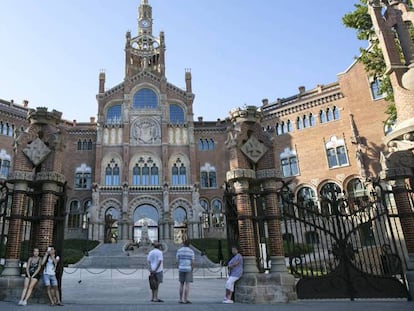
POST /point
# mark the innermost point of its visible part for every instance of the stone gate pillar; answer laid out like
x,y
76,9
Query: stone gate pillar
x,y
12,267
390,19
247,240
253,177
47,213
272,215
37,175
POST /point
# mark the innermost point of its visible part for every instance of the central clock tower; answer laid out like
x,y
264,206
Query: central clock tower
x,y
144,52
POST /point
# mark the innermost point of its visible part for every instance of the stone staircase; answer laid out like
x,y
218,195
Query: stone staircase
x,y
115,256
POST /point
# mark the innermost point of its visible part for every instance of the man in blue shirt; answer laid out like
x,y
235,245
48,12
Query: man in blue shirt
x,y
235,267
185,262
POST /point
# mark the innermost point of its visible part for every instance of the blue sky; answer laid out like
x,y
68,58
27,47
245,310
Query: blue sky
x,y
239,51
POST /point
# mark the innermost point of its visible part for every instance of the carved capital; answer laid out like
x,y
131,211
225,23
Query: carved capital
x,y
240,174
51,177
21,176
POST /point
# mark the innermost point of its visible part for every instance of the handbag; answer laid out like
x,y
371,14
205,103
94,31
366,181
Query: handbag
x,y
153,282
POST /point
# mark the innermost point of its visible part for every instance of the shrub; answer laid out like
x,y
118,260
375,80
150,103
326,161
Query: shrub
x,y
211,248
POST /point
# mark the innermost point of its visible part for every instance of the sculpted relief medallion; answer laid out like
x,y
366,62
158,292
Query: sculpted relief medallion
x,y
146,131
36,151
254,149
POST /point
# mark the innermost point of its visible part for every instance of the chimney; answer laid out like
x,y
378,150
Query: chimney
x,y
101,82
200,119
302,89
25,103
92,119
265,101
188,81
74,122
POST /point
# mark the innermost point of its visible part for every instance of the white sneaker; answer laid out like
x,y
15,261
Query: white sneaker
x,y
20,302
228,301
24,303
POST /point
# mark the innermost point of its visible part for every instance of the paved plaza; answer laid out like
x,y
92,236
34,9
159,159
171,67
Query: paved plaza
x,y
105,289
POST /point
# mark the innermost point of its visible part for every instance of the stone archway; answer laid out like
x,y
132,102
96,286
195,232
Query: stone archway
x,y
180,225
146,220
111,225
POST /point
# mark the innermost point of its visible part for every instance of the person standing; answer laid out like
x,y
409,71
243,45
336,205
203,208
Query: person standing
x,y
185,262
235,267
155,262
50,261
33,268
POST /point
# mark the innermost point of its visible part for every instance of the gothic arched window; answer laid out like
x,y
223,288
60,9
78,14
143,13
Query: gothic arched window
x,y
179,173
311,120
208,176
75,212
299,124
329,114
336,152
145,99
113,115
145,172
4,164
176,114
322,116
336,114
83,178
112,172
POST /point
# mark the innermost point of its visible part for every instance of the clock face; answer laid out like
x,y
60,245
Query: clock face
x,y
145,23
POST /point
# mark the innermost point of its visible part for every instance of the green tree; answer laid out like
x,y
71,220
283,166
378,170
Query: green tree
x,y
372,57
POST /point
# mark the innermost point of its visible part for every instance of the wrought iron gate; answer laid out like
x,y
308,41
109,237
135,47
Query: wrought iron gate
x,y
5,210
345,247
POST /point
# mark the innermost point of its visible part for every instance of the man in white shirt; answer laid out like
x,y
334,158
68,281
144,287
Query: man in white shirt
x,y
155,262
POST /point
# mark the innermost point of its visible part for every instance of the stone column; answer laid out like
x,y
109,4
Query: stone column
x,y
124,213
274,227
165,225
11,267
245,223
47,213
403,203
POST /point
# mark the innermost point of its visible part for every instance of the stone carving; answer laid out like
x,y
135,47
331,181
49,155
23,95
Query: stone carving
x,y
51,176
254,149
146,131
240,173
36,151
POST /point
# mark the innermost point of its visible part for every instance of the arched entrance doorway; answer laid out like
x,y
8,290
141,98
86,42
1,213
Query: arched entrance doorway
x,y
111,225
180,225
146,223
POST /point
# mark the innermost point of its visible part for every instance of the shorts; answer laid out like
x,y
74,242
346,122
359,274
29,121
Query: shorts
x,y
50,280
37,276
230,283
160,276
185,277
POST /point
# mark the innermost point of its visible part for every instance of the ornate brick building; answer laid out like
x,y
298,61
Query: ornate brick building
x,y
145,161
